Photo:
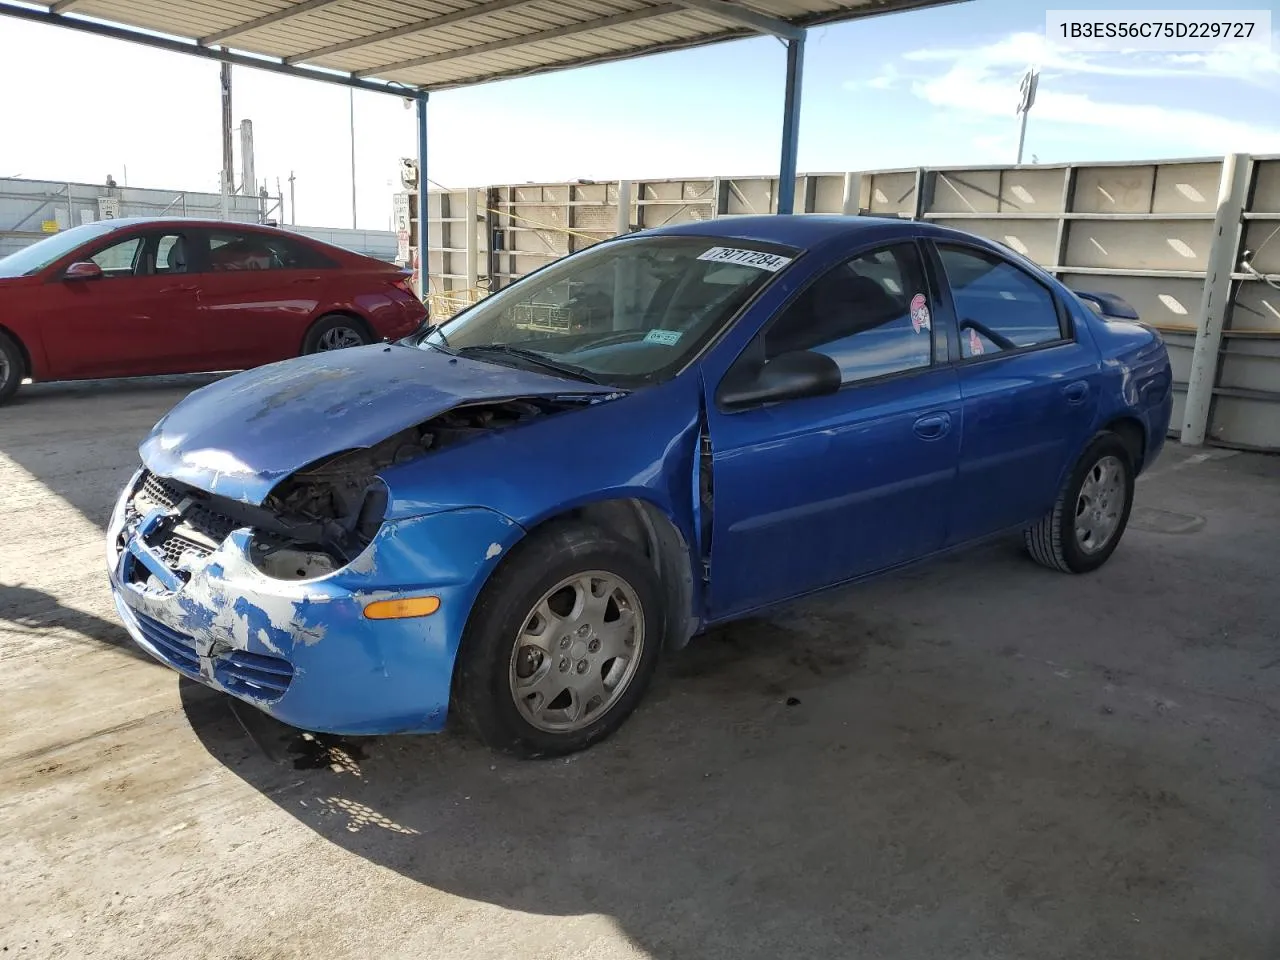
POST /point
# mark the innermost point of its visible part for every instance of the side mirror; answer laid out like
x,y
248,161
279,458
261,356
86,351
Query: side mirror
x,y
83,270
790,376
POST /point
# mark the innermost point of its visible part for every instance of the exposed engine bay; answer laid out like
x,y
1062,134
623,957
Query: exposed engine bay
x,y
320,518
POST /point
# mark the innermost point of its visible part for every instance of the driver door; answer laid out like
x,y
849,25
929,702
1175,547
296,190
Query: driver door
x,y
134,320
813,491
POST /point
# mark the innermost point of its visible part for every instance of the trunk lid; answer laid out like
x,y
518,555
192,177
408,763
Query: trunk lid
x,y
241,436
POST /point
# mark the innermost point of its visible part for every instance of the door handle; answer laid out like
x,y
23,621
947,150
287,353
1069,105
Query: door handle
x,y
179,288
1076,392
933,426
307,280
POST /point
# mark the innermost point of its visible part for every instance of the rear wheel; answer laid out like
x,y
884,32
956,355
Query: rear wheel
x,y
561,644
336,332
1090,515
13,367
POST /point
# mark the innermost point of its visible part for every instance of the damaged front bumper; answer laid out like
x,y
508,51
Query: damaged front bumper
x,y
303,650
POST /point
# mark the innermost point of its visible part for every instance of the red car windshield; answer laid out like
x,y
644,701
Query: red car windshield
x,y
33,259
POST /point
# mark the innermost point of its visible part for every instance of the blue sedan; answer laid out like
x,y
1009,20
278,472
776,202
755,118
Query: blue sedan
x,y
511,516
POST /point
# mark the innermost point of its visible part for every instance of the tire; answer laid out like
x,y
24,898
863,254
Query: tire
x,y
336,331
1103,473
513,695
13,367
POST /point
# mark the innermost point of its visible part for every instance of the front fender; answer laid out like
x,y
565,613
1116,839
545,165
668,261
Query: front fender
x,y
451,554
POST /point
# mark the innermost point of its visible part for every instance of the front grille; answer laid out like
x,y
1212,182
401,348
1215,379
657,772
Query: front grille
x,y
175,546
252,675
195,534
214,525
178,649
159,492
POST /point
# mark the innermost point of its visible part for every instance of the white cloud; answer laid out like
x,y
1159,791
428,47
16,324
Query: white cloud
x,y
887,79
982,82
1256,63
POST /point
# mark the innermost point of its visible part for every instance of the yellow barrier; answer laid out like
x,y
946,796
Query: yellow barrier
x,y
445,303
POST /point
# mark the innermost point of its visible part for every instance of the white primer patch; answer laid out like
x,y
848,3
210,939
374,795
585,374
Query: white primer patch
x,y
493,551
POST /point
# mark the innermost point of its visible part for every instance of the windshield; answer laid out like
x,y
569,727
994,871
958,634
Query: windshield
x,y
40,254
627,312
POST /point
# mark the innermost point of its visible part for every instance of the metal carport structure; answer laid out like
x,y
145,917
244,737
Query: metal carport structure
x,y
413,47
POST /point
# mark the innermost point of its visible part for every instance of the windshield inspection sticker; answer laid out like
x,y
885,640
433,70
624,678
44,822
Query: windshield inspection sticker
x,y
919,313
668,338
747,258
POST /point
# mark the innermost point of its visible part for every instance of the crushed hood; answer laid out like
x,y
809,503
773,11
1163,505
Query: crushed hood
x,y
241,436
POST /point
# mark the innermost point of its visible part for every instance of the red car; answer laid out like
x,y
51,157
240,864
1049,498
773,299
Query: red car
x,y
130,298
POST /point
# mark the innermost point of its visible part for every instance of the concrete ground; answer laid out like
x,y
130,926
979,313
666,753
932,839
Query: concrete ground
x,y
977,758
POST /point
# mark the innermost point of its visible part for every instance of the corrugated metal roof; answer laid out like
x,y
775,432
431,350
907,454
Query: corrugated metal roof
x,y
438,44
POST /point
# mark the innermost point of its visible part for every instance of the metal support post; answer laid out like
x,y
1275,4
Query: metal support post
x,y
790,126
424,284
624,208
851,204
352,118
623,270
1223,250
472,247
228,160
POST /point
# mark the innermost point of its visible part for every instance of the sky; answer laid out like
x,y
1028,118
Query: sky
x,y
928,87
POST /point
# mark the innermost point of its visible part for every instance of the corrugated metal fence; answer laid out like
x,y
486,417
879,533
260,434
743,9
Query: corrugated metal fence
x,y
32,209
1163,235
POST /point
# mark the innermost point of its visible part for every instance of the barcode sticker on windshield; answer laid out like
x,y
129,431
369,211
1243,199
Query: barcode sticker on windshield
x,y
667,338
747,258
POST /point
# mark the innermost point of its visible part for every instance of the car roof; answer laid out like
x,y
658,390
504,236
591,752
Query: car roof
x,y
120,223
803,231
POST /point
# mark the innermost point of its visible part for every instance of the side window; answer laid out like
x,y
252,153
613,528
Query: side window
x,y
229,250
294,255
119,259
998,305
172,254
240,251
871,315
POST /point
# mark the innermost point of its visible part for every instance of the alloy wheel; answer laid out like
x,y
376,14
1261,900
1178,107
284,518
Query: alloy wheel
x,y
1100,504
339,338
577,651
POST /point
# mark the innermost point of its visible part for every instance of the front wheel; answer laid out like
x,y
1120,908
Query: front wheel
x,y
1090,515
12,367
561,644
336,332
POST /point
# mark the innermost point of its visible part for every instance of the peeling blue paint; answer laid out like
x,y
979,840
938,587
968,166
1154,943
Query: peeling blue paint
x,y
241,436
350,675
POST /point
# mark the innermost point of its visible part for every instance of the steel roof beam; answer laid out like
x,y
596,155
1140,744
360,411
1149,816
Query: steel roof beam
x,y
742,16
554,33
418,26
288,13
172,45
62,6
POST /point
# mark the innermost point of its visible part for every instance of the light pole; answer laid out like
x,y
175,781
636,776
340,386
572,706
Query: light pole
x,y
1027,98
351,91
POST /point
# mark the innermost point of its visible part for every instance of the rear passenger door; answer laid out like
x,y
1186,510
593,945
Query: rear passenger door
x,y
1028,389
257,296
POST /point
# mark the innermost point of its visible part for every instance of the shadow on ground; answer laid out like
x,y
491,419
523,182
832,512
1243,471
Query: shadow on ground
x,y
34,609
80,439
849,778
